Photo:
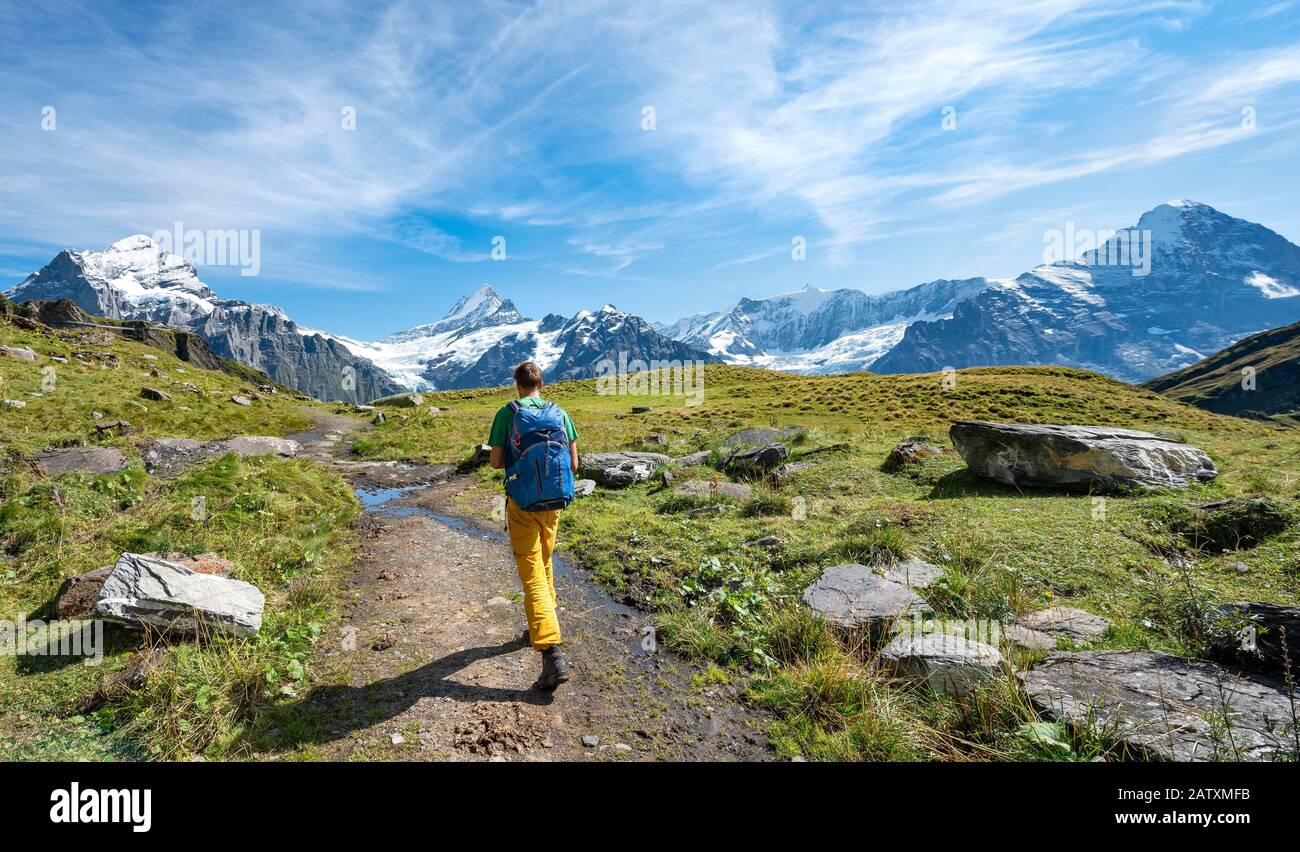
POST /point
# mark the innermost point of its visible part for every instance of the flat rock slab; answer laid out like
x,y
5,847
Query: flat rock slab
x,y
856,597
949,664
143,591
1067,622
77,596
584,488
702,457
1077,456
1161,706
169,456
19,352
619,470
914,573
700,488
92,460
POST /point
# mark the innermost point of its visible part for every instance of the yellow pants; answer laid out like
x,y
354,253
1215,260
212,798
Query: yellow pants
x,y
532,537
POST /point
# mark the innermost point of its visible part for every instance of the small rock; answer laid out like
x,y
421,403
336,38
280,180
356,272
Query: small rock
x,y
660,440
396,739
387,574
19,352
641,409
584,487
241,400
1073,624
700,488
914,573
949,664
702,457
759,458
155,394
622,748
498,601
120,426
590,740
58,359
15,403
363,409
482,455
912,451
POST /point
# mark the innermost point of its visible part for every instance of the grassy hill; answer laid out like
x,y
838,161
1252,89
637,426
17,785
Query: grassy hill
x,y
719,596
286,526
1216,383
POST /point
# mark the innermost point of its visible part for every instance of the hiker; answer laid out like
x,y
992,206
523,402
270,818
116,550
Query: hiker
x,y
535,443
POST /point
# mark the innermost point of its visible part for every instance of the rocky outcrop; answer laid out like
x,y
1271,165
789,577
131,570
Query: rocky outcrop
x,y
948,664
1262,648
1162,706
619,470
854,597
91,460
1077,456
143,591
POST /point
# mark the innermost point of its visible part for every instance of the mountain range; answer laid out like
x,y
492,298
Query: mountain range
x,y
1255,377
1212,279
1206,281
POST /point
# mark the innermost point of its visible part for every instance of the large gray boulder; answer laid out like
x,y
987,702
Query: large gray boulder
x,y
77,596
1077,456
1163,706
19,352
619,470
759,436
92,460
949,664
854,597
146,591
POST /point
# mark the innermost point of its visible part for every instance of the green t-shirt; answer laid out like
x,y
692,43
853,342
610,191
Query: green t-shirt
x,y
505,419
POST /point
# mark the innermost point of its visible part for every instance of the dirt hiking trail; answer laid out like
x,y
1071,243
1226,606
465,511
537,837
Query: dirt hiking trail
x,y
432,663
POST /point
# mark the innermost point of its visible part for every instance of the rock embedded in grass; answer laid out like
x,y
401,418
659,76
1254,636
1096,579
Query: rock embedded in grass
x,y
1163,706
619,470
1263,649
92,460
1067,622
155,394
145,591
77,595
912,451
700,488
19,352
693,459
1077,456
854,597
949,664
759,458
913,573
241,400
584,487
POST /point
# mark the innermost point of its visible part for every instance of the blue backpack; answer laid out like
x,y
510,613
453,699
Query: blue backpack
x,y
539,478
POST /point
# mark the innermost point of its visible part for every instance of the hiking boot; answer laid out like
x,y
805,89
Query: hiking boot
x,y
555,670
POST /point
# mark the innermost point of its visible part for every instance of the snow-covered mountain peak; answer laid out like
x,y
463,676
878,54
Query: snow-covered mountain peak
x,y
482,301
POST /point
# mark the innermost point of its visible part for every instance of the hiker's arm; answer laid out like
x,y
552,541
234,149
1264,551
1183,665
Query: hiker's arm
x,y
573,455
498,458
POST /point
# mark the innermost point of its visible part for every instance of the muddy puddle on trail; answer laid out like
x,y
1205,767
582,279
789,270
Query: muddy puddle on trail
x,y
390,503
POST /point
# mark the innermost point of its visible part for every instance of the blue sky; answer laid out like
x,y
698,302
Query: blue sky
x,y
526,120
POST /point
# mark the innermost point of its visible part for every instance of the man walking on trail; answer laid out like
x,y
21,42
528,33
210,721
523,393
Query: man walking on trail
x,y
535,443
